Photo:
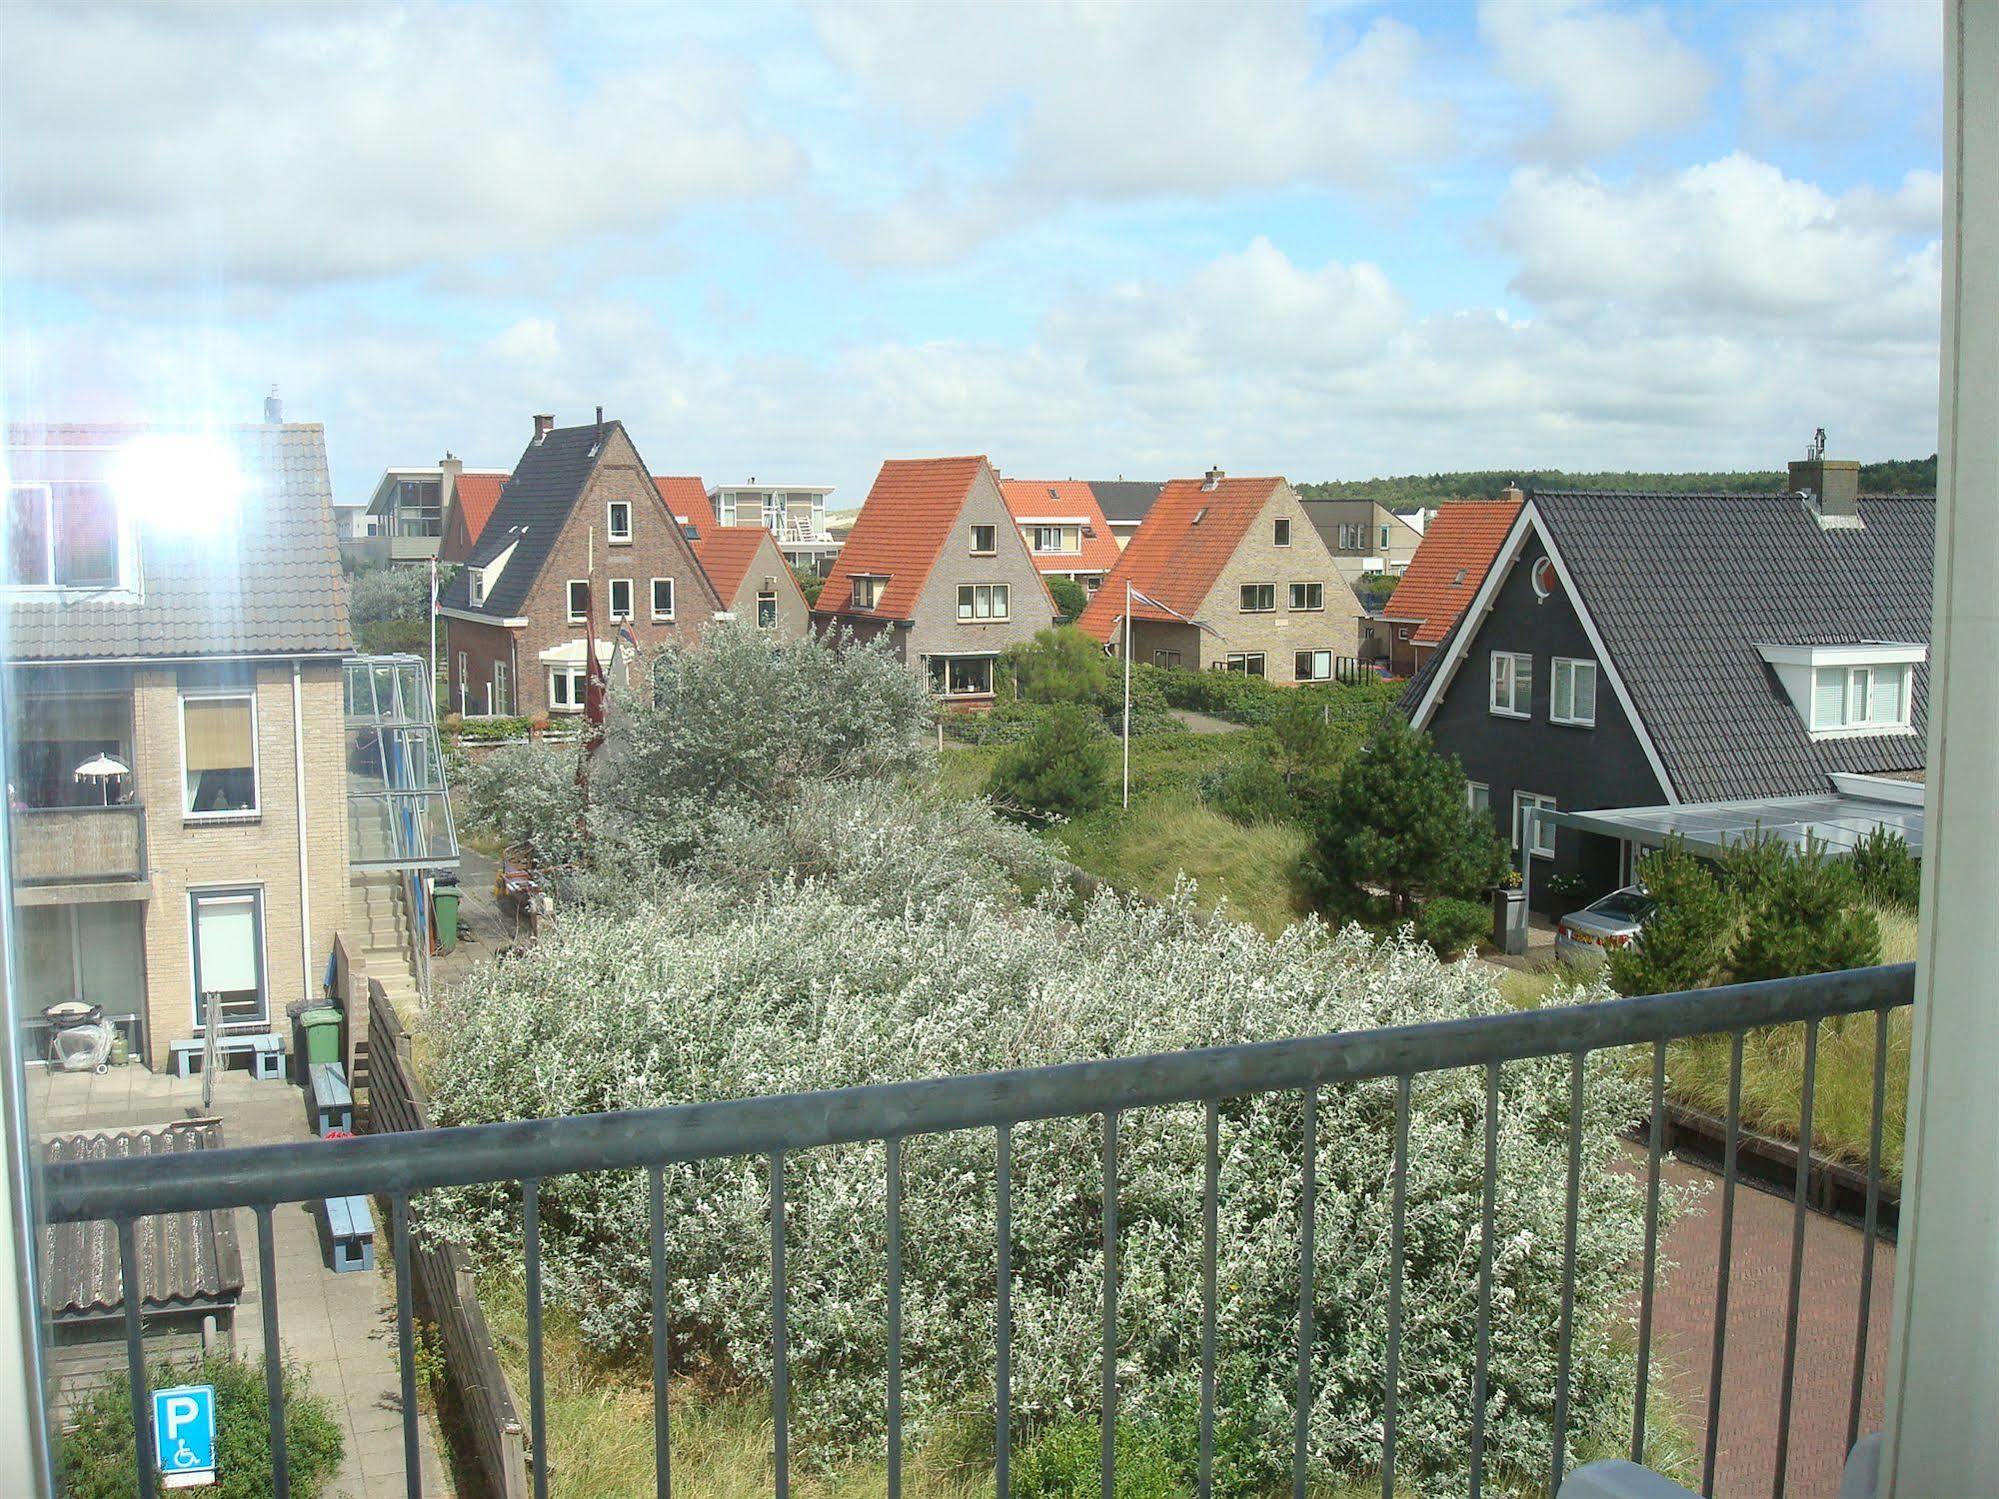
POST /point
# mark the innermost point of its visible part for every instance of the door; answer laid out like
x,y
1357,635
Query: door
x,y
229,955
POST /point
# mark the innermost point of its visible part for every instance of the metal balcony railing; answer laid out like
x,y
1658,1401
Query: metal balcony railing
x,y
79,845
530,1152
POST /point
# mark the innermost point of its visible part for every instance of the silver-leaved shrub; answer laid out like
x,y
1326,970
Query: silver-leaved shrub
x,y
719,990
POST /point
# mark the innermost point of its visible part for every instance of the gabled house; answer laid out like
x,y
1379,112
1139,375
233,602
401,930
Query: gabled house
x,y
580,549
1364,537
1447,571
407,512
1240,557
176,624
1125,504
470,495
753,579
1717,660
1064,527
935,564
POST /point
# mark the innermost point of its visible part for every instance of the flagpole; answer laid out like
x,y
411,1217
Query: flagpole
x,y
1127,694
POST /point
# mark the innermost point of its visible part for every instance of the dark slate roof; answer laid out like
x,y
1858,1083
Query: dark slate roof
x,y
547,481
268,584
1684,588
1124,501
187,1261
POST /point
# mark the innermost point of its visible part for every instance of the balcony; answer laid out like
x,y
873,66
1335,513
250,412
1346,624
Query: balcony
x,y
1385,1064
67,854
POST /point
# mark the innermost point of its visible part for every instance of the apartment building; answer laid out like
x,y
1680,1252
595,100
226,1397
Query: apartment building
x,y
793,513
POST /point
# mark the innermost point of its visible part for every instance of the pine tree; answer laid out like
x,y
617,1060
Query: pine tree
x,y
1809,922
1397,821
1061,769
1685,940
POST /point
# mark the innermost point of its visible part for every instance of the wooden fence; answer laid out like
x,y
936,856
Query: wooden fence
x,y
442,1287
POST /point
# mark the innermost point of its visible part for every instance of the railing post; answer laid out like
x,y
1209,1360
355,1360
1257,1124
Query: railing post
x,y
1943,1382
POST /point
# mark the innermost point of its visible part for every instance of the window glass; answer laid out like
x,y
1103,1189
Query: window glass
x,y
1886,698
1525,802
1259,598
1283,532
1572,692
1308,595
766,610
620,521
662,598
1478,797
621,598
502,690
228,955
1828,698
983,539
579,599
1512,683
219,754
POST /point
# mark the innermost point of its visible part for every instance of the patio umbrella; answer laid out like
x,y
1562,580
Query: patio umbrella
x,y
103,769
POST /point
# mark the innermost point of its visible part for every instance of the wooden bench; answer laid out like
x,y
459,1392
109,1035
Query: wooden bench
x,y
350,1224
265,1051
331,1105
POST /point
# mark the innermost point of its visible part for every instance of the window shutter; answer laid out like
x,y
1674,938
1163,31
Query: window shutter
x,y
1829,698
218,734
226,931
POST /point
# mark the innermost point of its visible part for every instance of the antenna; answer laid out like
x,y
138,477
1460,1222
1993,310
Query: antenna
x,y
1817,449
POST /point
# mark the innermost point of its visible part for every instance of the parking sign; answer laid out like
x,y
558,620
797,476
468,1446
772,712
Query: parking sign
x,y
184,1435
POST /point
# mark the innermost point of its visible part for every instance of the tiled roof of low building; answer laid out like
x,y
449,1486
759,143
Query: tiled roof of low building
x,y
1180,550
477,494
1045,500
265,581
900,533
1449,566
727,553
687,498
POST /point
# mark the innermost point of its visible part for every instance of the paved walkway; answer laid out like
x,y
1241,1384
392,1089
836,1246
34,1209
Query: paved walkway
x,y
1759,1284
339,1328
1203,723
485,927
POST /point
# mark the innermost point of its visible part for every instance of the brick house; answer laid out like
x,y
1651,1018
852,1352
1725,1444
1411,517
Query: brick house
x,y
580,546
936,564
1064,527
207,661
754,580
1242,557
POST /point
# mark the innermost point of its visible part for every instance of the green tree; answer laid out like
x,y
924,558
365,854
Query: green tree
x,y
1808,921
1684,942
1062,769
1071,598
1889,874
1397,822
1059,665
809,583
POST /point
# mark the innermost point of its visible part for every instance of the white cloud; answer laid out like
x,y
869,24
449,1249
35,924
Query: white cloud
x,y
300,145
1610,77
1124,100
1733,245
1842,73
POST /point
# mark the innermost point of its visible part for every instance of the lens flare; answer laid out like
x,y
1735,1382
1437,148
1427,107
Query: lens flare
x,y
185,482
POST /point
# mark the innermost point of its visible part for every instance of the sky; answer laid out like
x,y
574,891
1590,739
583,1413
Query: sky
x,y
1083,237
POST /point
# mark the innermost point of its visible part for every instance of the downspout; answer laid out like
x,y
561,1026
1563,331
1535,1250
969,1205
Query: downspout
x,y
304,861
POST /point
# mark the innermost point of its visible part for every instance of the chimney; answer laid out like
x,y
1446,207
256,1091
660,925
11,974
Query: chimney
x,y
543,425
1213,480
600,416
1830,487
453,466
274,409
1513,493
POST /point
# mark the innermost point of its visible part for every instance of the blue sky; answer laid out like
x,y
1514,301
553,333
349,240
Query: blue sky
x,y
1091,238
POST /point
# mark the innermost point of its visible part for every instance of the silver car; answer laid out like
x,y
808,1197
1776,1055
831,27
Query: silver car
x,y
1613,921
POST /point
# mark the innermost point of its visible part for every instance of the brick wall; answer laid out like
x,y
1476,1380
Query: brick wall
x,y
1283,631
260,851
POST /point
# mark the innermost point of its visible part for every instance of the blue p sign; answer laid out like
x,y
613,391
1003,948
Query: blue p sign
x,y
184,1435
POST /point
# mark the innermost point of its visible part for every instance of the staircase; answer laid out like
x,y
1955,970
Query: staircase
x,y
378,935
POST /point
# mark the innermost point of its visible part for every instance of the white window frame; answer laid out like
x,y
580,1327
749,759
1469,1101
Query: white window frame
x,y
998,599
611,509
1575,666
1315,658
500,690
576,616
1291,598
1860,681
1522,800
991,548
1249,608
126,559
1478,797
1238,661
868,589
576,684
464,681
767,596
475,585
611,599
196,894
659,615
1503,686
256,807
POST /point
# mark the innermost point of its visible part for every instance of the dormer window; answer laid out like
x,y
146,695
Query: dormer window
x,y
62,535
868,590
1845,690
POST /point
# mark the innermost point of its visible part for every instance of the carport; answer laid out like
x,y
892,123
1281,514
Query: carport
x,y
1836,821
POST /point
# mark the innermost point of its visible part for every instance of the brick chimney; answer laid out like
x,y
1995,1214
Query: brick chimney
x,y
274,409
543,425
1830,488
1213,480
1513,493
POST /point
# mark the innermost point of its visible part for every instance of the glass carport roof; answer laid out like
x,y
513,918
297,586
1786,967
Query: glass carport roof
x,y
1836,820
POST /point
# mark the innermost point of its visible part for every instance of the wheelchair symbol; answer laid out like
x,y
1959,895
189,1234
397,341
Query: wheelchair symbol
x,y
184,1457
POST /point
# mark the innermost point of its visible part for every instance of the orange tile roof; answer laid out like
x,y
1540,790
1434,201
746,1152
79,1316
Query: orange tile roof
x,y
726,554
899,533
1457,550
477,494
1065,499
1186,540
687,499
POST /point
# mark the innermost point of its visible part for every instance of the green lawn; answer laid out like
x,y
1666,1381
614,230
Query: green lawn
x,y
1169,830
